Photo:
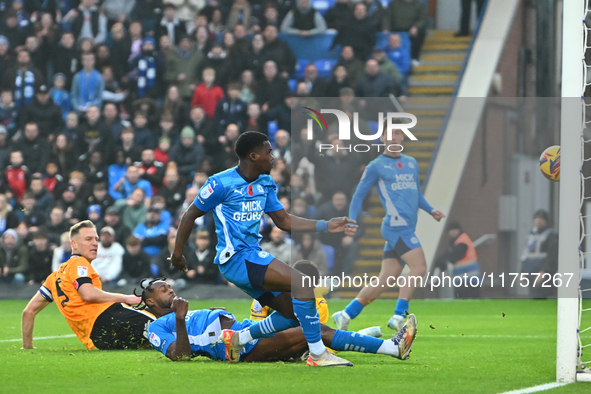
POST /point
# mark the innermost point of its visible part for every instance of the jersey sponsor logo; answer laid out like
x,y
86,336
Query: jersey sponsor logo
x,y
404,181
263,254
414,240
206,191
82,271
250,206
260,189
154,339
399,165
249,190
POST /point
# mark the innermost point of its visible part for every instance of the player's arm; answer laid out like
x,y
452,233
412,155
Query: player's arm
x,y
181,349
91,294
369,178
210,195
425,206
287,222
35,305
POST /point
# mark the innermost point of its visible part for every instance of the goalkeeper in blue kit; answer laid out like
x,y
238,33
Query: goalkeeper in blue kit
x,y
397,179
238,198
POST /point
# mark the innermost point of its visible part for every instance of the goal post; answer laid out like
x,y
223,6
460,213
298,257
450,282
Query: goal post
x,y
571,133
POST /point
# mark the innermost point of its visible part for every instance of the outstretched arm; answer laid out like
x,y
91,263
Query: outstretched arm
x,y
368,179
89,293
184,230
287,222
36,305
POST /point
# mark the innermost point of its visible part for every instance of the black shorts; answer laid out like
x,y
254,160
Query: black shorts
x,y
121,327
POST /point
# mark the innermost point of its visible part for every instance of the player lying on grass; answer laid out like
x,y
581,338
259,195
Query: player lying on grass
x,y
99,319
181,334
397,179
239,197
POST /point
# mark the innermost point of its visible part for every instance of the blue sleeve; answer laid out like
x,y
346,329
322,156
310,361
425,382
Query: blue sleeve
x,y
160,336
423,204
272,204
368,179
147,186
210,195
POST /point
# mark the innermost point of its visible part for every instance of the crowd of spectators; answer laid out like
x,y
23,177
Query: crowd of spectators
x,y
117,111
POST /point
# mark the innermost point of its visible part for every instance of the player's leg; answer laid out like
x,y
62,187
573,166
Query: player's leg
x,y
391,267
415,259
121,327
292,343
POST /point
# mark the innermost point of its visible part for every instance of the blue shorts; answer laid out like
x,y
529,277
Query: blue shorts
x,y
246,269
398,242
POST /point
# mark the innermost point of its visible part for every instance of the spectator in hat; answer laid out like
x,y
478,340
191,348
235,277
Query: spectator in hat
x,y
113,220
109,257
94,213
170,25
40,258
13,258
44,112
87,85
303,20
145,73
152,233
182,67
22,78
187,153
60,96
11,29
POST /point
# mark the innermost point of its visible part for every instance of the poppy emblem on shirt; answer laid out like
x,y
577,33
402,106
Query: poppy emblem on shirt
x,y
399,165
250,190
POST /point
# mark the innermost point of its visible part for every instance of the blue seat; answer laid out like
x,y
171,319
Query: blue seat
x,y
292,84
300,67
329,252
325,67
323,6
272,128
311,48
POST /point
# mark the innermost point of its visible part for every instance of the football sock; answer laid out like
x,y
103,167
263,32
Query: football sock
x,y
401,307
355,342
267,327
307,314
354,309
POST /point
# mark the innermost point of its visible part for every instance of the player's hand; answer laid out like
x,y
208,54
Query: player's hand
x,y
132,300
437,215
337,225
180,306
178,262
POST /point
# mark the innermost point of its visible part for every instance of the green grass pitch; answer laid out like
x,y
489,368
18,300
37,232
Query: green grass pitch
x,y
462,347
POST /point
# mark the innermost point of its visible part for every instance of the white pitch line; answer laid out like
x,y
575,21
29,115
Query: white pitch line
x,y
535,389
39,338
489,336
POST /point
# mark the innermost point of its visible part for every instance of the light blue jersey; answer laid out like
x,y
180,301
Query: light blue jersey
x,y
397,180
203,327
238,206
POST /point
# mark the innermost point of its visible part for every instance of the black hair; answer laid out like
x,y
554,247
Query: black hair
x,y
307,268
147,291
454,226
542,213
248,142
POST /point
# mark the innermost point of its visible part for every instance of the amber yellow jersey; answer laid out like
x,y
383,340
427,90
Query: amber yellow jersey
x,y
62,286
